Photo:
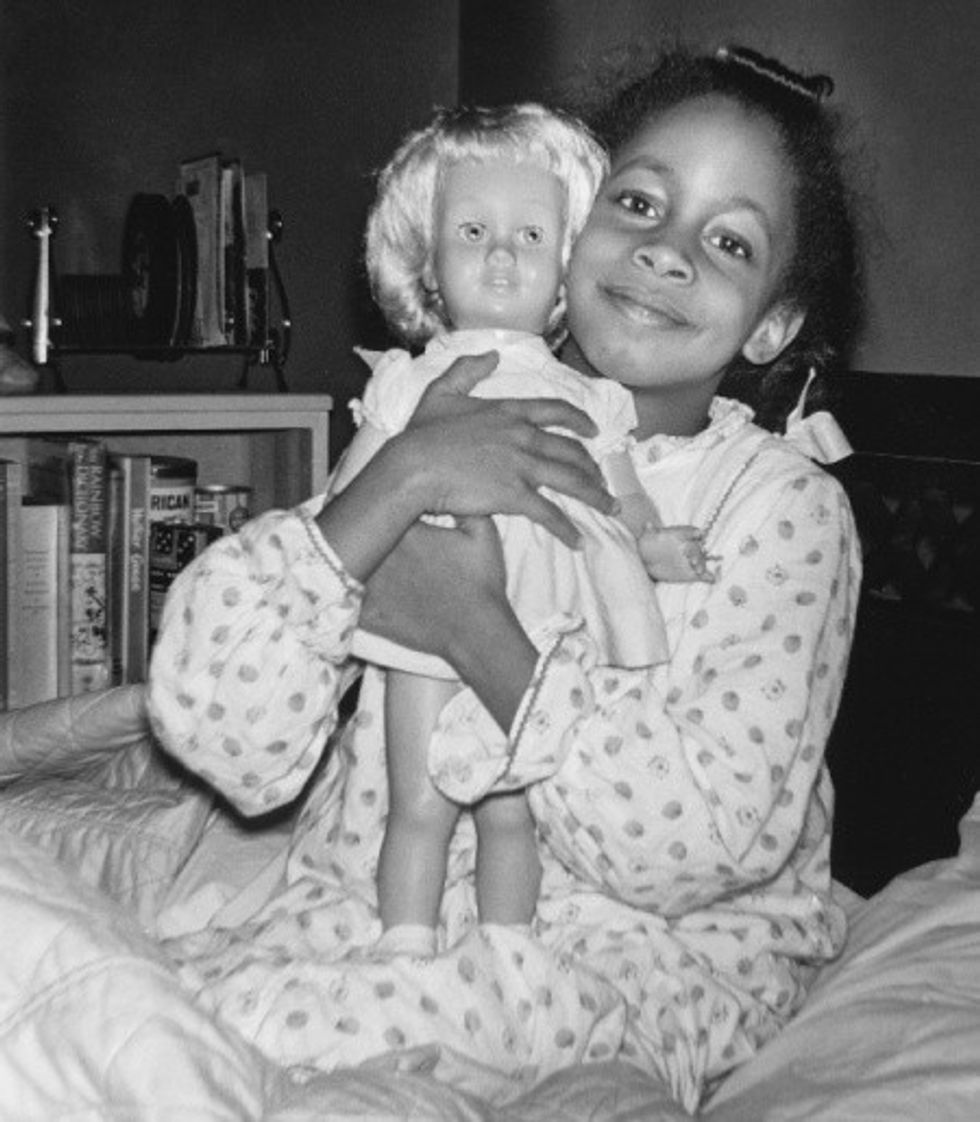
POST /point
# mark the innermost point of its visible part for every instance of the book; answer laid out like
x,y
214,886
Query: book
x,y
200,181
115,570
11,489
39,668
173,545
45,463
231,272
89,640
130,485
37,476
257,258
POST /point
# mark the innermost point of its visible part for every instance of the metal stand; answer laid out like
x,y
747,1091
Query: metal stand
x,y
46,328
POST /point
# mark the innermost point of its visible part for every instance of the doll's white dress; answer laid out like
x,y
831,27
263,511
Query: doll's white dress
x,y
604,583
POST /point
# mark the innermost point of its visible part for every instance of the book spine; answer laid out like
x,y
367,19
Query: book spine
x,y
232,272
200,181
4,604
89,640
63,602
116,549
45,466
137,486
44,532
257,258
10,504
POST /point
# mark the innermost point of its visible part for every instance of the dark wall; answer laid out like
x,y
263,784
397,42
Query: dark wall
x,y
906,73
103,98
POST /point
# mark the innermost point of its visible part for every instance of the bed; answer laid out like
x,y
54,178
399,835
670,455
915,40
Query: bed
x,y
104,842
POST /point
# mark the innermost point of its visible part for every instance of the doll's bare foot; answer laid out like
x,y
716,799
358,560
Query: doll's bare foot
x,y
674,553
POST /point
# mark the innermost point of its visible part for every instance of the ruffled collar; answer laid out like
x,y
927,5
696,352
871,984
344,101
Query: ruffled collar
x,y
725,417
818,436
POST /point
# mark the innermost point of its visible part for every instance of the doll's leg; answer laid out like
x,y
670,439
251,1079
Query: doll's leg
x,y
412,865
508,871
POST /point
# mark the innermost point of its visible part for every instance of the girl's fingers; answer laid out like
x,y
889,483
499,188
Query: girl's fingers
x,y
548,412
486,456
465,373
564,450
554,519
563,464
576,483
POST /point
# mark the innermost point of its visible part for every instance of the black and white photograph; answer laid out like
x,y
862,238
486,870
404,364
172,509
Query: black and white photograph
x,y
326,326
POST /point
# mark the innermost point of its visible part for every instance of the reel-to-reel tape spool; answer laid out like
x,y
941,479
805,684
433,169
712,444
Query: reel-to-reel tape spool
x,y
150,302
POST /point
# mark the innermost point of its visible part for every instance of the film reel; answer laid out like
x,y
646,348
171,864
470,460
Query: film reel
x,y
159,266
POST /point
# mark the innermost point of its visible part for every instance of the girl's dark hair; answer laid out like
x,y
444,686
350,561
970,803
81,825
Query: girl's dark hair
x,y
824,278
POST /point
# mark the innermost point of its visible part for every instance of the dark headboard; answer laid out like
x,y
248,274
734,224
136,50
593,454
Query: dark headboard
x,y
905,750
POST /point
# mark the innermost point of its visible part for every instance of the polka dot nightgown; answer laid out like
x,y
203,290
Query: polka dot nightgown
x,y
683,812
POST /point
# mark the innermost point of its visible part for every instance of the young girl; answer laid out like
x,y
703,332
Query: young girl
x,y
684,811
467,245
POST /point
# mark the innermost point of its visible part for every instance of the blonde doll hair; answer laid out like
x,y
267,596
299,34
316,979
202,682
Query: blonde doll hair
x,y
400,229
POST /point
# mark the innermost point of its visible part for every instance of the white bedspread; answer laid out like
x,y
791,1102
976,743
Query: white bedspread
x,y
94,1024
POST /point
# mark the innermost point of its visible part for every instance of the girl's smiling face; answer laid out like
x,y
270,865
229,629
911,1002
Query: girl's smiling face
x,y
678,268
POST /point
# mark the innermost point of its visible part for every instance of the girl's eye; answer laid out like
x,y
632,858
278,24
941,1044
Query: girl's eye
x,y
638,203
532,235
732,246
472,232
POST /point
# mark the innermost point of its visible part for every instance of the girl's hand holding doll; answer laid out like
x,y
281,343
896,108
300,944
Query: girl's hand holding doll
x,y
465,456
480,456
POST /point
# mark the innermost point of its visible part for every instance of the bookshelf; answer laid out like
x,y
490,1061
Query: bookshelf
x,y
82,613
277,444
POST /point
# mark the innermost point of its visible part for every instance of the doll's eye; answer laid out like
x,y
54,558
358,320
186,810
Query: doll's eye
x,y
532,235
472,232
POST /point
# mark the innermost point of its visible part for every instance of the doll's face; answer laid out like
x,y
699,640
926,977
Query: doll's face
x,y
498,245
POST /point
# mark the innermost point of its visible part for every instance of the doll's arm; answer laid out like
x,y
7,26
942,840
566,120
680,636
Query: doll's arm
x,y
674,553
671,553
636,508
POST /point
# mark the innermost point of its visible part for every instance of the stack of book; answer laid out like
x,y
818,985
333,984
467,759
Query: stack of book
x,y
231,225
84,569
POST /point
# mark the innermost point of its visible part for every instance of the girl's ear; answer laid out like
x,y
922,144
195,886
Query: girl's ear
x,y
774,333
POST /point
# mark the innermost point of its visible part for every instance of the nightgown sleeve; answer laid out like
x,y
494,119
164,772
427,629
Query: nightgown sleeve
x,y
251,658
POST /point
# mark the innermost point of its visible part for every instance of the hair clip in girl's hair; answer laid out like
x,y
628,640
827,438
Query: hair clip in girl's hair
x,y
816,87
821,86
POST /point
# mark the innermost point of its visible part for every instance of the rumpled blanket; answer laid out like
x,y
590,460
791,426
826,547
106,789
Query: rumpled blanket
x,y
82,779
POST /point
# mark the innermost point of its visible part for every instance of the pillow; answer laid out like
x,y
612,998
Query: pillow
x,y
892,1028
